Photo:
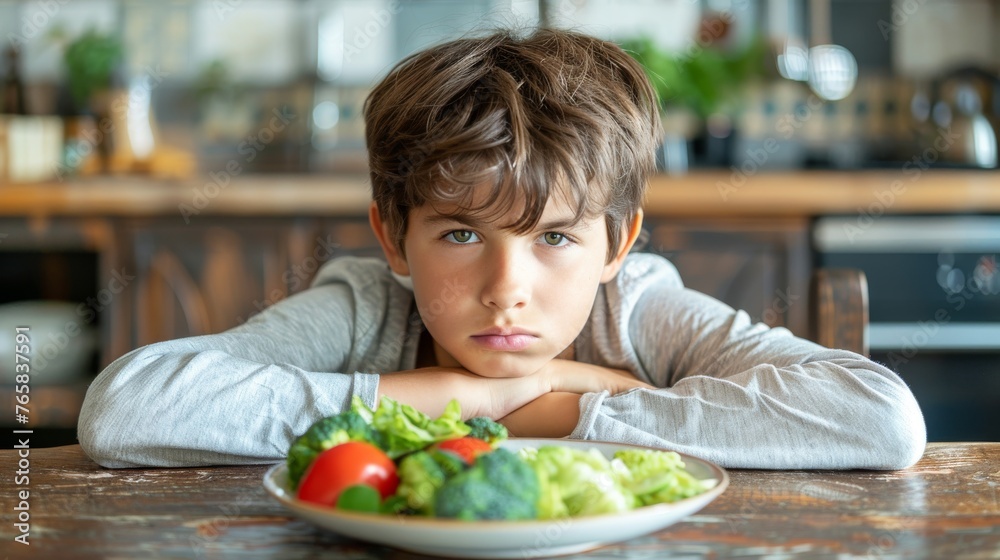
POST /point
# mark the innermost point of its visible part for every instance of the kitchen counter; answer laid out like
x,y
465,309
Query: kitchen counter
x,y
700,193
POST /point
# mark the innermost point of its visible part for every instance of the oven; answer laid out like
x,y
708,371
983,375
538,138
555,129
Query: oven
x,y
934,300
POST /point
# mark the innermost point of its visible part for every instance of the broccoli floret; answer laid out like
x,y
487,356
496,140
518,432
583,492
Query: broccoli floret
x,y
451,463
498,486
486,429
421,474
324,434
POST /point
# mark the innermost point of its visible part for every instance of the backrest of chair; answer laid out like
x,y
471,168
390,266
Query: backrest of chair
x,y
839,309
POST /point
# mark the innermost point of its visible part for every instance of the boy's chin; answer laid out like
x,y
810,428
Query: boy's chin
x,y
520,368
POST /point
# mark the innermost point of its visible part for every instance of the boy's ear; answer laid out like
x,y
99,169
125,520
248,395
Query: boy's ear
x,y
624,246
397,262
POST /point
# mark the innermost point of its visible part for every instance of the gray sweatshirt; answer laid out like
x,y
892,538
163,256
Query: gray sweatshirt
x,y
730,391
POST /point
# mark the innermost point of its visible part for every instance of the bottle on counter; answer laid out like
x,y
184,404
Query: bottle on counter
x,y
13,87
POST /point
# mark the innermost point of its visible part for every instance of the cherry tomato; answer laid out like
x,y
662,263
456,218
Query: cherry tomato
x,y
344,465
468,448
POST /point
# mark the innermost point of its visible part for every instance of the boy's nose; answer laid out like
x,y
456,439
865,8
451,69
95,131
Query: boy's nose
x,y
508,284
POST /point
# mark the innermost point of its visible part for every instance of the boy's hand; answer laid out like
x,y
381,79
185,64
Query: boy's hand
x,y
429,389
556,414
567,376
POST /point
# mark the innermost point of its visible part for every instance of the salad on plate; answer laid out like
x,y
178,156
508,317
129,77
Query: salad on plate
x,y
396,460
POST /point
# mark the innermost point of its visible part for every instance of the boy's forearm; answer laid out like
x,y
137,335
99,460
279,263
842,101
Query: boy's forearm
x,y
551,415
429,390
546,402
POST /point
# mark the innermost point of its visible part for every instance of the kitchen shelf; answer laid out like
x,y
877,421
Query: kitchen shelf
x,y
698,193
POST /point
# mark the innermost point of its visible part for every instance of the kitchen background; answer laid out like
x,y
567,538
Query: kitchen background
x,y
171,168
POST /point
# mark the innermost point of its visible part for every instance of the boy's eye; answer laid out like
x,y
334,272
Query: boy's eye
x,y
554,239
460,236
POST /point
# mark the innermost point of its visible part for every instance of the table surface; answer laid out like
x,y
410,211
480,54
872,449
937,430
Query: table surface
x,y
946,506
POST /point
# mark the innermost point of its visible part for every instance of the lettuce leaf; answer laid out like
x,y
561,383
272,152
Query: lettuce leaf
x,y
406,429
576,483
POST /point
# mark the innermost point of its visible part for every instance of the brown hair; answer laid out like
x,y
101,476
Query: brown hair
x,y
553,112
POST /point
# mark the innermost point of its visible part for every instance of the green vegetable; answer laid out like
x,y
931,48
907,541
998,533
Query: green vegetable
x,y
324,434
575,483
406,429
498,486
360,497
393,505
395,428
421,474
659,476
486,429
544,483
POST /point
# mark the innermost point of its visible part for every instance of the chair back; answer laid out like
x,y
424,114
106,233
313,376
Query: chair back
x,y
839,309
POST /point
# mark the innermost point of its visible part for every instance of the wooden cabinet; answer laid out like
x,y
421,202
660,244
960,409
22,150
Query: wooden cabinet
x,y
188,280
323,239
194,279
760,265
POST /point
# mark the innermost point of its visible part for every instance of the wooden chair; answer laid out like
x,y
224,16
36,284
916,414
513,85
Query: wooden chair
x,y
838,311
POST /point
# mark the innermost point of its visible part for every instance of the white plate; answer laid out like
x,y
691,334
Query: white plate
x,y
505,539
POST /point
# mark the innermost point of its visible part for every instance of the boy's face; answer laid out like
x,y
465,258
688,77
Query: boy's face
x,y
502,304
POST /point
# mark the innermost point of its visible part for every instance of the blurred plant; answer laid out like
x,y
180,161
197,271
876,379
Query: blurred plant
x,y
705,79
214,81
90,60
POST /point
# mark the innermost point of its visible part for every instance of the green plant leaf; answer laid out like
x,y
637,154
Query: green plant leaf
x,y
90,61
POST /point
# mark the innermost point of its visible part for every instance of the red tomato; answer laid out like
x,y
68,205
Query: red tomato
x,y
344,465
465,447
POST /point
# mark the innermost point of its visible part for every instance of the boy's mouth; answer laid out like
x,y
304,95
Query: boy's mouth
x,y
505,343
505,339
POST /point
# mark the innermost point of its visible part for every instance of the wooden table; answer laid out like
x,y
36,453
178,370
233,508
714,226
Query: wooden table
x,y
946,506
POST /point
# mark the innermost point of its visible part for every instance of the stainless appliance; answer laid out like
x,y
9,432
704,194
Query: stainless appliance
x,y
934,296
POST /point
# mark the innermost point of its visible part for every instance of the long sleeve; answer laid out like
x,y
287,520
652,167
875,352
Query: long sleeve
x,y
241,396
745,395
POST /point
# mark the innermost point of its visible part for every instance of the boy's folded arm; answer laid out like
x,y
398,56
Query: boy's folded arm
x,y
234,397
745,395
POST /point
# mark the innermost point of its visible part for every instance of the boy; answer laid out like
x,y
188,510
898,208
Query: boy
x,y
507,178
